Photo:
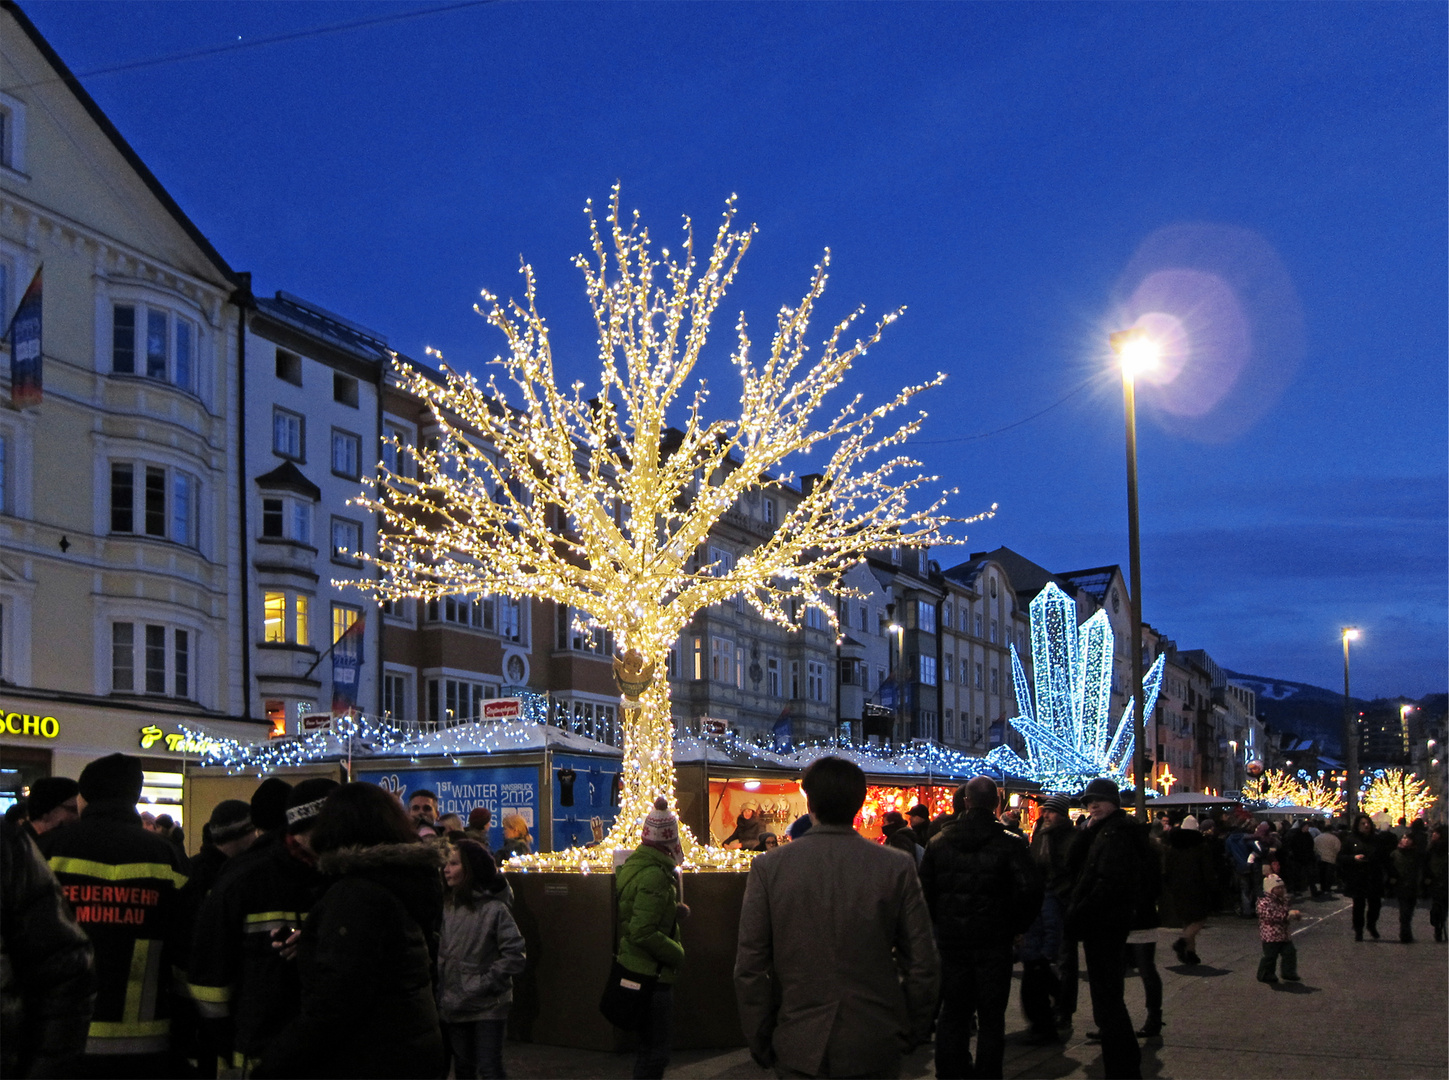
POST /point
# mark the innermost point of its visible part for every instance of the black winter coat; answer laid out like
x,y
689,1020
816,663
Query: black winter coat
x,y
47,976
366,959
1051,849
981,885
1189,878
1118,880
1361,878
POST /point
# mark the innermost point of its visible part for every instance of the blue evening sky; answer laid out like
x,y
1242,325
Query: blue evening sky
x,y
1023,177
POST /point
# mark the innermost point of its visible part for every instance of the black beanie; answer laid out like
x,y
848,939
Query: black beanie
x,y
47,794
306,802
230,820
269,804
116,776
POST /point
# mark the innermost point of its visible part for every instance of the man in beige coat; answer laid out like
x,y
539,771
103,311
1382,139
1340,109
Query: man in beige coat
x,y
836,973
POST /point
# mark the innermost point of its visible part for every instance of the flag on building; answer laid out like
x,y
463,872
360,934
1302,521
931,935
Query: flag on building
x,y
783,743
346,668
25,374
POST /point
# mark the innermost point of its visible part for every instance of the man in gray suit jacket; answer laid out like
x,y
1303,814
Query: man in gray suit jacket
x,y
836,973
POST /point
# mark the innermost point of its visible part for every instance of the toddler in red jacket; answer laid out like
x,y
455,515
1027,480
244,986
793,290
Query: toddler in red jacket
x,y
1274,915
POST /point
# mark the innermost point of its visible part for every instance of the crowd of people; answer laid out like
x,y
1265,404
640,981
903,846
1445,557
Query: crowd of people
x,y
326,929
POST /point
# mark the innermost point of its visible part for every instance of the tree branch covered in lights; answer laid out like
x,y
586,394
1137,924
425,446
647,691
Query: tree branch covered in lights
x,y
602,497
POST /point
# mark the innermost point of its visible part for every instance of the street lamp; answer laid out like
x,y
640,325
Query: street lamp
x,y
1404,711
1136,352
1350,730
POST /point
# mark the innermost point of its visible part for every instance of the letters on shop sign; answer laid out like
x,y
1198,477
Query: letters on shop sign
x,y
45,727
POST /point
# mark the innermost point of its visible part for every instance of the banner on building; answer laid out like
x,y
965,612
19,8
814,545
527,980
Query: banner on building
x,y
783,743
25,329
346,668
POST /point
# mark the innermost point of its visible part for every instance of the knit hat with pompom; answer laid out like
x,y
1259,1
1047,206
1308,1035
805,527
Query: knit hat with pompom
x,y
661,830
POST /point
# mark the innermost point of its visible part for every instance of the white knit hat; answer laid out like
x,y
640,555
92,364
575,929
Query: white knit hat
x,y
1190,822
1271,882
661,830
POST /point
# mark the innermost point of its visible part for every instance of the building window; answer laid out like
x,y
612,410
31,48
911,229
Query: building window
x,y
767,509
814,617
346,453
794,679
698,666
721,659
346,541
950,725
285,618
928,670
287,519
772,676
165,506
815,680
344,389
289,435
289,367
864,617
164,656
395,696
12,136
739,667
155,343
457,700
965,671
575,634
995,687
946,614
343,616
993,631
394,456
978,676
948,667
926,616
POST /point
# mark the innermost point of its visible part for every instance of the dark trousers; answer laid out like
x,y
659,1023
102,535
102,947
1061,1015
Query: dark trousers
x,y
1039,988
1437,911
1144,959
1366,913
1272,950
1067,971
1406,918
1325,877
477,1049
656,1035
1121,1056
978,985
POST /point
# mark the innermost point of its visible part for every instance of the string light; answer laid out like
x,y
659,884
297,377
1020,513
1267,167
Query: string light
x,y
596,502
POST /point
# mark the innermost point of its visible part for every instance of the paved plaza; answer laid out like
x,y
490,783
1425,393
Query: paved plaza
x,y
1376,1009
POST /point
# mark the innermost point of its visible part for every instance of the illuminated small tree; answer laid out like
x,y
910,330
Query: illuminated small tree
x,y
589,498
1398,794
1273,788
1319,794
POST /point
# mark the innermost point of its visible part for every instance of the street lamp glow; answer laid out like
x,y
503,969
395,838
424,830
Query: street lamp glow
x,y
1136,352
1350,633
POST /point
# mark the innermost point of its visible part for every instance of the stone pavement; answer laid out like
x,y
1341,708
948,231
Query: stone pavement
x,y
1376,1009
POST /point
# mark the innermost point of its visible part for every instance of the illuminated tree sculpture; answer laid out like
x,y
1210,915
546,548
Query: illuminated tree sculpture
x,y
1273,788
1318,793
1396,793
589,498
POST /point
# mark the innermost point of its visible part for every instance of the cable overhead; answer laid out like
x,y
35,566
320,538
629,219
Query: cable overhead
x,y
1015,424
257,43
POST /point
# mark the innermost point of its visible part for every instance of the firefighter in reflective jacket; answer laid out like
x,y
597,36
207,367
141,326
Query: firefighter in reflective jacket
x,y
244,989
122,883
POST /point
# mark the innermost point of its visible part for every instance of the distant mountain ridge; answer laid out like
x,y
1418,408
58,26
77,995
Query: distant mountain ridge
x,y
1308,711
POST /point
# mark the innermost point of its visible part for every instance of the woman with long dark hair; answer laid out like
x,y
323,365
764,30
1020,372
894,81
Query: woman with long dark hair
x,y
1361,870
366,950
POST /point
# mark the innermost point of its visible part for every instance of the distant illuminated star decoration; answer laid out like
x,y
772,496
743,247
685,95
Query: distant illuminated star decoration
x,y
1070,738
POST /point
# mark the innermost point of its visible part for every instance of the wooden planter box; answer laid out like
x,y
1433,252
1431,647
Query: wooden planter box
x,y
568,922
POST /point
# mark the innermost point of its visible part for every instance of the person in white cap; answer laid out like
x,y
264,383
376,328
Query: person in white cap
x,y
1273,918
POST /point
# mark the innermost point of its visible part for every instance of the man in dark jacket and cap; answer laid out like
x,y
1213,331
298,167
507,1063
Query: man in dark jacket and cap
x,y
983,890
1115,867
245,989
53,804
122,882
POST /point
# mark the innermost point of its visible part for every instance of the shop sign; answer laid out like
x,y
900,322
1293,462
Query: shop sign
x,y
504,708
177,742
42,727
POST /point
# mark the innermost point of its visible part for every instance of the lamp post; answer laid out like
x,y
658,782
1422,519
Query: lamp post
x,y
1135,352
1350,731
1404,711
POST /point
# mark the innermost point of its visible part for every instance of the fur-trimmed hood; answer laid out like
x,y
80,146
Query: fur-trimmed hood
x,y
381,857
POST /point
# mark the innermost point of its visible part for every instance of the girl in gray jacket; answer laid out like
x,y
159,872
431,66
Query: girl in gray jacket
x,y
479,953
